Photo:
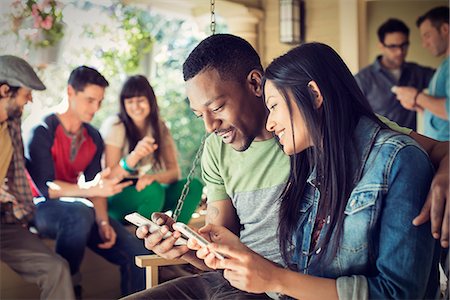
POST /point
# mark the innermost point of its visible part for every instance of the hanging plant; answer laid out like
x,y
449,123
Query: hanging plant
x,y
39,23
130,40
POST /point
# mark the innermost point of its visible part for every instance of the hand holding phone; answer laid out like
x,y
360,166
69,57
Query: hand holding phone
x,y
190,233
133,180
139,220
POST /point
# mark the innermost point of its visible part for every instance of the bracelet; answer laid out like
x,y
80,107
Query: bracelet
x,y
415,97
123,164
103,223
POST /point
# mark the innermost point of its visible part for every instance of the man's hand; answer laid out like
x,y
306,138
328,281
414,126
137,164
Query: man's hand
x,y
407,96
104,186
107,234
155,242
437,207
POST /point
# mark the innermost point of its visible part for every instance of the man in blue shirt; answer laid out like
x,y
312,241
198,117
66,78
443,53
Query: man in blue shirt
x,y
390,69
434,31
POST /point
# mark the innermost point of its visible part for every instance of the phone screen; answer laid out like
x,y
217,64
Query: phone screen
x,y
134,180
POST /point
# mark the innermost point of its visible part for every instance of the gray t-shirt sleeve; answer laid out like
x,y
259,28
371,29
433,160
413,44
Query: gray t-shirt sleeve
x,y
353,287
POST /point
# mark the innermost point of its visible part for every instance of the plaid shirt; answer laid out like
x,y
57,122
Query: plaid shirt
x,y
17,200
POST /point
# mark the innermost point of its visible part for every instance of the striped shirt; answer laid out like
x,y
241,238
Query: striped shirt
x,y
16,199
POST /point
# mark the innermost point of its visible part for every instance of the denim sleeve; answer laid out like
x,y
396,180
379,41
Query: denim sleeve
x,y
406,253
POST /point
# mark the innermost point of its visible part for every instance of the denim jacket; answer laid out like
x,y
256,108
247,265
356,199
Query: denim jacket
x,y
381,255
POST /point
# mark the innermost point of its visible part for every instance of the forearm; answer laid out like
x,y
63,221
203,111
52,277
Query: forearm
x,y
443,167
223,213
435,105
168,176
118,171
301,286
437,151
101,209
65,189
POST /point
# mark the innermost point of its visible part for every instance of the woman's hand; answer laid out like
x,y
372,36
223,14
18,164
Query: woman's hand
x,y
144,181
213,233
144,147
244,269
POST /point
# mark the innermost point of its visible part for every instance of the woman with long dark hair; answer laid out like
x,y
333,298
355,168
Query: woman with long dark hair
x,y
140,147
354,188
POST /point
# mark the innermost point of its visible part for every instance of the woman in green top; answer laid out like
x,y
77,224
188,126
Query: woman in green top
x,y
139,146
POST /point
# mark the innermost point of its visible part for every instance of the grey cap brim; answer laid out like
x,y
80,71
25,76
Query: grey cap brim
x,y
17,72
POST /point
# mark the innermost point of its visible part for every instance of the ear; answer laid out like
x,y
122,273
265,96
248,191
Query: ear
x,y
316,91
380,46
254,79
444,28
4,91
70,91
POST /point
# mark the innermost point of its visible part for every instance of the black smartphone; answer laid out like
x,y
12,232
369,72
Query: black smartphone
x,y
132,179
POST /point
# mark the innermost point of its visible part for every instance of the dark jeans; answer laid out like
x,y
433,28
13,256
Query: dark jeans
x,y
210,285
73,226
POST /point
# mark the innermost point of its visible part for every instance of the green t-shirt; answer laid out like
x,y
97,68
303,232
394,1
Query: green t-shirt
x,y
253,180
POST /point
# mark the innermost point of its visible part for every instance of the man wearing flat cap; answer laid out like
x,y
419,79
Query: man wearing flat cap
x,y
20,249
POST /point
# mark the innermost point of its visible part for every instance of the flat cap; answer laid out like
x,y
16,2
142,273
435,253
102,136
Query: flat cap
x,y
17,72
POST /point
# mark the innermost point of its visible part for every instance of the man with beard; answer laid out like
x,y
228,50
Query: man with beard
x,y
20,249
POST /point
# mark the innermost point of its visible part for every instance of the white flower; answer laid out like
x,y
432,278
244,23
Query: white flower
x,y
17,9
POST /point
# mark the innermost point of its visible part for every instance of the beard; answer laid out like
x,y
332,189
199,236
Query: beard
x,y
247,141
13,110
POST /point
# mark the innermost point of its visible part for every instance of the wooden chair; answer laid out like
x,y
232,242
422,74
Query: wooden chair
x,y
151,264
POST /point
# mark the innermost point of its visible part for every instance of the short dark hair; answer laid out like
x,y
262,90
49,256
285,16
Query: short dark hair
x,y
232,56
83,75
437,16
392,25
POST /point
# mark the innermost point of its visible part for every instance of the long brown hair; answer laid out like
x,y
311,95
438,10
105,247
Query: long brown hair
x,y
137,86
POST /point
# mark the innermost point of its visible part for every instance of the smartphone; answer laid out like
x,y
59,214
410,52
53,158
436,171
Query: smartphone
x,y
134,180
190,233
139,220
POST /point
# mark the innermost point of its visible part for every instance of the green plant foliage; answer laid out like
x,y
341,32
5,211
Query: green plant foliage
x,y
132,37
